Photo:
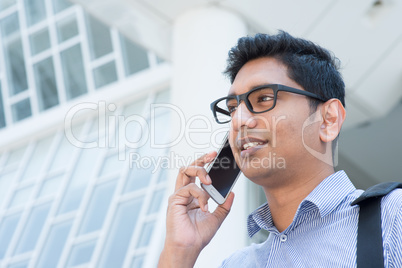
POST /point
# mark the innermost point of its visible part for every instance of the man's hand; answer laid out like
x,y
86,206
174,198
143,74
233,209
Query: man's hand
x,y
189,225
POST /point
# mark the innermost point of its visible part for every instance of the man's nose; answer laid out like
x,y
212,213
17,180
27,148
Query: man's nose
x,y
243,117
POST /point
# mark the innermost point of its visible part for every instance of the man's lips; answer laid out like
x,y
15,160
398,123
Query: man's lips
x,y
249,145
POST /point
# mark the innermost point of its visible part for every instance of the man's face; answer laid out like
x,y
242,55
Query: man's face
x,y
270,144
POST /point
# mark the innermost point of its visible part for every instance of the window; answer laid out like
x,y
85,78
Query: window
x,y
21,110
39,41
2,116
81,253
49,184
14,55
33,229
119,238
135,57
67,53
99,38
46,84
35,11
54,245
74,72
7,229
61,204
105,74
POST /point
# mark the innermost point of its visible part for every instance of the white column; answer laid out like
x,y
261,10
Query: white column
x,y
201,40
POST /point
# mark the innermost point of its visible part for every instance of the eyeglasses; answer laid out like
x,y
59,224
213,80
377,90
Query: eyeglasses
x,y
258,100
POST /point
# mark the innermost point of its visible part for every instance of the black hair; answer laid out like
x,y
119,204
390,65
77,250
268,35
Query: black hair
x,y
314,68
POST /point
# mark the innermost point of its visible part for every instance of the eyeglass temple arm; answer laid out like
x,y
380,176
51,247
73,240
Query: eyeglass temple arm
x,y
217,109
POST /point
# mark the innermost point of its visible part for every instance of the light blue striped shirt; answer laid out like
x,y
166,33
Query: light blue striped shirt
x,y
323,232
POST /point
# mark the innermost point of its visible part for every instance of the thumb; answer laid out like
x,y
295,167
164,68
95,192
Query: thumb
x,y
223,210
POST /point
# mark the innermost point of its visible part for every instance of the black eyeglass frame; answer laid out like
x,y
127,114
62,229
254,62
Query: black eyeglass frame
x,y
244,97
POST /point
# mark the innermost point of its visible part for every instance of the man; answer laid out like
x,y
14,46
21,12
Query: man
x,y
294,85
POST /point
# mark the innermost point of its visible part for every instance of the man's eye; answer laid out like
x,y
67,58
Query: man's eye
x,y
232,108
265,98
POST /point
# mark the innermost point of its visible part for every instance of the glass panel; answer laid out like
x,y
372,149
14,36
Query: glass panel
x,y
63,155
112,164
86,162
59,5
54,245
143,165
22,264
40,41
35,11
133,130
50,186
21,196
105,74
21,110
10,25
98,207
33,229
37,158
6,4
46,84
135,108
120,234
13,54
146,234
138,261
99,38
7,229
81,253
139,177
156,201
161,123
15,156
67,28
163,175
74,72
163,96
2,116
135,57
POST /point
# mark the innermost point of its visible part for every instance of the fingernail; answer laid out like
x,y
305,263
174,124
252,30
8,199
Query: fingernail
x,y
206,207
208,179
209,157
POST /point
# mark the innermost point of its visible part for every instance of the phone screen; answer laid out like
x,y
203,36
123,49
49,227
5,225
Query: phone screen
x,y
224,170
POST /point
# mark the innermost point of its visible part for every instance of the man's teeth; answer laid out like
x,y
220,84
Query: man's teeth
x,y
251,144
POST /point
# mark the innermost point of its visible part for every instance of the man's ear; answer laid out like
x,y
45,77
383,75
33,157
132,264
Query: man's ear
x,y
333,115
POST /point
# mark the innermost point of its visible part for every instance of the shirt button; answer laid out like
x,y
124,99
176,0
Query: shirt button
x,y
284,238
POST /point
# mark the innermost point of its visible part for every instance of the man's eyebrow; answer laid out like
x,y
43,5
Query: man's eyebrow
x,y
231,94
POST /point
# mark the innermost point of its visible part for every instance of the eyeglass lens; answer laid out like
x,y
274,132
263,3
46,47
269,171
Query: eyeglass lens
x,y
260,100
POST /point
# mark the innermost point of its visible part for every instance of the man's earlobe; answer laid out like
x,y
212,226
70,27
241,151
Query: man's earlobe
x,y
333,115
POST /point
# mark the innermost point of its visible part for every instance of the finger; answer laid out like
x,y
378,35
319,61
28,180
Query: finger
x,y
184,196
187,175
204,159
223,210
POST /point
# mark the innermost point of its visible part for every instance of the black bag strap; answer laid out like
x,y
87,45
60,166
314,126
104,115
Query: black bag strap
x,y
369,233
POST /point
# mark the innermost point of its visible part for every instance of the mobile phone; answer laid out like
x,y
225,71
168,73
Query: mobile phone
x,y
223,172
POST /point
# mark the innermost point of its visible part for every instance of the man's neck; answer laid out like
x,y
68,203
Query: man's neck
x,y
284,201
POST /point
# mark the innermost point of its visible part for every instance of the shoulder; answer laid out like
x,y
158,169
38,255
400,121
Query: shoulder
x,y
391,205
391,218
391,210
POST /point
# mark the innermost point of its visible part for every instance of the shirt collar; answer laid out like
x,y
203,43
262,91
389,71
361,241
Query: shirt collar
x,y
325,197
